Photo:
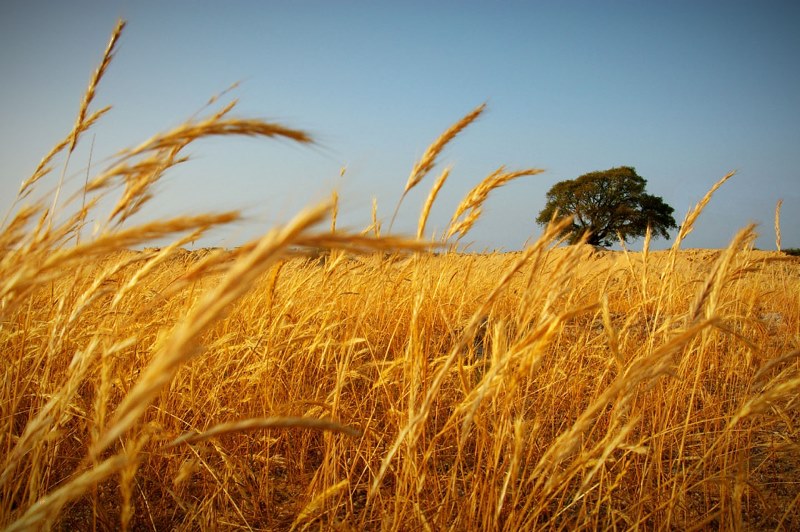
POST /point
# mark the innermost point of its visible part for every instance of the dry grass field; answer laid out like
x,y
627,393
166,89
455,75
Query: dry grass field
x,y
326,379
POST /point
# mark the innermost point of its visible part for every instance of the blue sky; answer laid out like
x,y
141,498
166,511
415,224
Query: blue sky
x,y
685,91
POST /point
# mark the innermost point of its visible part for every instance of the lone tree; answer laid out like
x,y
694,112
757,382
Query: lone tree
x,y
606,204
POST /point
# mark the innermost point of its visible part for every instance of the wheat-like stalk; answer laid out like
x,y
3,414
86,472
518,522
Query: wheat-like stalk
x,y
266,423
691,217
469,210
334,210
426,209
81,122
428,159
218,126
778,224
88,96
376,225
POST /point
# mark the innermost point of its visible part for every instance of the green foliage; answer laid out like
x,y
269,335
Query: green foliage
x,y
606,204
793,252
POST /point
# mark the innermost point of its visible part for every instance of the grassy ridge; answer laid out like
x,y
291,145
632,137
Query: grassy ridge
x,y
379,385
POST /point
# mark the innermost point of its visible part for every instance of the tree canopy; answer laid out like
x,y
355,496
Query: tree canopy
x,y
608,203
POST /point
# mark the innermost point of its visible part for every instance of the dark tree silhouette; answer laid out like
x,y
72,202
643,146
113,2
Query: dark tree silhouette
x,y
606,204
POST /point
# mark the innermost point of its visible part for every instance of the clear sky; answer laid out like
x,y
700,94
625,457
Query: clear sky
x,y
685,91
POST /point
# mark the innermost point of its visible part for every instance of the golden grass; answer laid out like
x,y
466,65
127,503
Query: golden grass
x,y
557,387
469,210
778,206
428,159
